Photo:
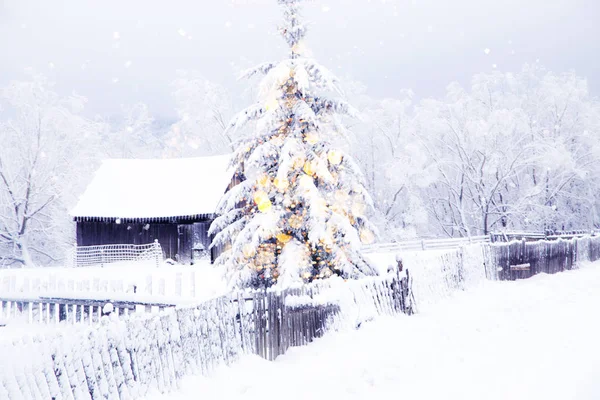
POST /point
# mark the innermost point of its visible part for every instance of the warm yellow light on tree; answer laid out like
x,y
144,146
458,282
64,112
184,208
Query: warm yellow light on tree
x,y
309,168
263,180
260,197
265,206
262,201
305,182
326,273
295,221
366,236
358,208
281,184
334,157
311,138
299,162
249,251
283,238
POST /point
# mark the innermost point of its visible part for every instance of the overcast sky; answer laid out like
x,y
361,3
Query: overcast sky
x,y
123,51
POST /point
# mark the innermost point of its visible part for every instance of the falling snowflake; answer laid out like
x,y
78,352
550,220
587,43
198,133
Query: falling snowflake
x,y
128,64
116,35
228,24
487,51
181,32
325,8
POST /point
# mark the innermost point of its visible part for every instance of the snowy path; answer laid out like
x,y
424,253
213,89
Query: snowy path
x,y
533,339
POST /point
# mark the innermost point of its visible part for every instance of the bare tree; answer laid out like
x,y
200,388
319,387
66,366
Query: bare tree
x,y
204,109
45,144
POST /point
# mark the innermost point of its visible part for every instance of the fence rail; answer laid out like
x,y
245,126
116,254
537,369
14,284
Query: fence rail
x,y
172,284
54,310
425,244
535,236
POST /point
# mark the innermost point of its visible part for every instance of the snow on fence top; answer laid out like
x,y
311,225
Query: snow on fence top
x,y
425,244
155,188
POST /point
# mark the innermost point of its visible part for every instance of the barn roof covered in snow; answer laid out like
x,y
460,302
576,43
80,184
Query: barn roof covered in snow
x,y
156,189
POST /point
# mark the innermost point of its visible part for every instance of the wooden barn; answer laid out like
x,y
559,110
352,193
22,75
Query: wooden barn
x,y
171,200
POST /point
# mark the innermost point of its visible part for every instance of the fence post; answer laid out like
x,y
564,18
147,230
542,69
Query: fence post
x,y
157,252
422,244
178,283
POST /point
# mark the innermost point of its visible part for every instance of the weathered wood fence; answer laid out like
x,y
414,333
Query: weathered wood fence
x,y
524,259
125,358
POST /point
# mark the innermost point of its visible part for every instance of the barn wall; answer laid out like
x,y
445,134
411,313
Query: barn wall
x,y
176,240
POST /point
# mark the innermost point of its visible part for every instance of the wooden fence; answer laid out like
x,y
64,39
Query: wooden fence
x,y
168,284
48,310
524,259
125,358
425,244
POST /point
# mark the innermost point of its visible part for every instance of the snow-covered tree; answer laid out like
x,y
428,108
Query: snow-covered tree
x,y
395,165
299,213
204,109
515,151
132,135
47,150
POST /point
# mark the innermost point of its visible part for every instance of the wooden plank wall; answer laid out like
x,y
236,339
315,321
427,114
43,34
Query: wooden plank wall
x,y
176,240
102,233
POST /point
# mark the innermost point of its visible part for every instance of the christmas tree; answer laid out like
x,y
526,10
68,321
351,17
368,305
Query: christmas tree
x,y
299,213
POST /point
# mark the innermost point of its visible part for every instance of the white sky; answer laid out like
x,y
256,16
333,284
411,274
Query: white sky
x,y
388,45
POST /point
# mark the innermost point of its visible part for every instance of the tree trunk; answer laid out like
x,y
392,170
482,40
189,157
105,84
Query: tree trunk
x,y
25,254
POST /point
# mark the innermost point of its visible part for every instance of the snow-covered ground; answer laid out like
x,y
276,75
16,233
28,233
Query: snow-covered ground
x,y
531,339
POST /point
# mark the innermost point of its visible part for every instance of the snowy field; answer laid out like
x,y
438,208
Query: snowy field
x,y
530,339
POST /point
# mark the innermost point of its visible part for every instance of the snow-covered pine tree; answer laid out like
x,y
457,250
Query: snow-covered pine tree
x,y
299,213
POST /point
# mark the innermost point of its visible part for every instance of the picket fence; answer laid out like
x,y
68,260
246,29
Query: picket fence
x,y
168,285
125,358
47,310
